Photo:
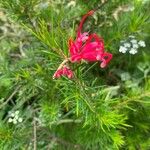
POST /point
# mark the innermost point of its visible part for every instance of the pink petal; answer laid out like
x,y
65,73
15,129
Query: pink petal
x,y
106,59
90,47
76,58
103,65
58,73
65,71
70,74
95,37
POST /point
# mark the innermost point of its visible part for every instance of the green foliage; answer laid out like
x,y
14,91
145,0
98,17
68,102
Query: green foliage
x,y
106,109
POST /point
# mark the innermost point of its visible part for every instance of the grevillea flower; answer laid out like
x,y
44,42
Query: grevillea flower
x,y
65,71
88,47
85,47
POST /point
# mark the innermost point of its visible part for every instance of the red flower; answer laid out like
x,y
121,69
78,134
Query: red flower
x,y
65,71
85,47
88,47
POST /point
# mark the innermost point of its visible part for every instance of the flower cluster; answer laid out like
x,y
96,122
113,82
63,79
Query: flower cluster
x,y
65,71
87,47
14,117
131,45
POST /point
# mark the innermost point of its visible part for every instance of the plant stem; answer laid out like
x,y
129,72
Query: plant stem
x,y
34,134
10,97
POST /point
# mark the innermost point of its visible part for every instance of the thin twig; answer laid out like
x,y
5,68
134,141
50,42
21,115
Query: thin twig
x,y
35,135
10,97
21,49
16,55
63,63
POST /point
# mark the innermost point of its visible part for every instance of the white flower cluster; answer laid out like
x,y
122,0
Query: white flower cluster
x,y
14,117
131,45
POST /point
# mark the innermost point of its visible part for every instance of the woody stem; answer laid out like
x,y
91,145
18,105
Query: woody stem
x,y
63,63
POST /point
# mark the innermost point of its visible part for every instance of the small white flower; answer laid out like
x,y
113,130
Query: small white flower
x,y
142,43
131,36
20,119
10,120
133,51
17,112
123,49
14,121
16,117
133,41
12,115
135,46
128,45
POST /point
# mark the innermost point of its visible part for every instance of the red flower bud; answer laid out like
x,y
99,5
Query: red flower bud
x,y
65,71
